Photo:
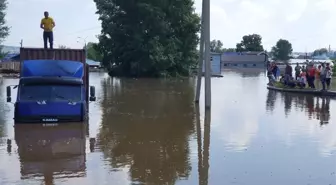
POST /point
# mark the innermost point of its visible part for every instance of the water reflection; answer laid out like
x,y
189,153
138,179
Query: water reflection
x,y
48,152
146,126
315,107
247,72
270,100
323,110
146,135
199,145
206,154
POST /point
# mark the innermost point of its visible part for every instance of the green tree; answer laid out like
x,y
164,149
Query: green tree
x,y
148,38
250,43
217,47
4,32
229,50
4,29
320,51
92,52
282,50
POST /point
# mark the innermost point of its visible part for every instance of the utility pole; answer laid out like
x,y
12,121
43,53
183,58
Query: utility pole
x,y
21,43
85,45
201,59
206,32
205,56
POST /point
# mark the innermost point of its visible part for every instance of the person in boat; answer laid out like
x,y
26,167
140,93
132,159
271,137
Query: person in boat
x,y
302,82
287,81
318,73
328,71
297,71
290,82
282,79
303,68
278,73
275,70
323,76
270,74
311,75
288,72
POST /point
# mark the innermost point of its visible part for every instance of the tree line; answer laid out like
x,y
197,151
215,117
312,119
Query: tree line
x,y
4,29
148,38
282,50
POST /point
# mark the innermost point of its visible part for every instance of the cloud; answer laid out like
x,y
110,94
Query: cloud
x,y
287,19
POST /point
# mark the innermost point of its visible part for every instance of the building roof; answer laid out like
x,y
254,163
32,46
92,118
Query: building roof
x,y
214,53
245,53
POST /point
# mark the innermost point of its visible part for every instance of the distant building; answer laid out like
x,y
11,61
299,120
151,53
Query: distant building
x,y
11,57
244,59
10,63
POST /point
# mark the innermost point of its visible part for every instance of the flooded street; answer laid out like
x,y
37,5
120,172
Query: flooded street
x,y
149,131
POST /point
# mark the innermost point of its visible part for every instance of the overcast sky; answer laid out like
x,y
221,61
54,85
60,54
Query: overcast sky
x,y
307,24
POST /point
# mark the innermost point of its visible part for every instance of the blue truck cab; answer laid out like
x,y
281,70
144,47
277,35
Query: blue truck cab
x,y
51,91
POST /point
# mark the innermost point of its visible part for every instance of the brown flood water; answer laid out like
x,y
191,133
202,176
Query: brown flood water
x,y
149,131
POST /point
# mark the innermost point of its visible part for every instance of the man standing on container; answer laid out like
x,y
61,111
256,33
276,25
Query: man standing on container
x,y
47,24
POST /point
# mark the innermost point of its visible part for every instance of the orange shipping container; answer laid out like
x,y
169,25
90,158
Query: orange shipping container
x,y
58,54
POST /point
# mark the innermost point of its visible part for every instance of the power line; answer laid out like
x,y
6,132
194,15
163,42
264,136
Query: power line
x,y
84,30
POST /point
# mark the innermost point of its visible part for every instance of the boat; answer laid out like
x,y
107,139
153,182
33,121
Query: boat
x,y
303,91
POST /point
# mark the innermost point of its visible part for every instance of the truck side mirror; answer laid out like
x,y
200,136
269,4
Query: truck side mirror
x,y
9,94
92,93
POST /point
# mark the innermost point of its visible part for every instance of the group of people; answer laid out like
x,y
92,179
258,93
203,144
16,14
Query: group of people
x,y
304,75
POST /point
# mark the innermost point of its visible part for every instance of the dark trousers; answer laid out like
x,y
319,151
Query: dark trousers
x,y
48,36
302,85
328,80
311,80
325,81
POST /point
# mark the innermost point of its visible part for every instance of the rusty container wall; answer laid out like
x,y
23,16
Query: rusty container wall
x,y
58,54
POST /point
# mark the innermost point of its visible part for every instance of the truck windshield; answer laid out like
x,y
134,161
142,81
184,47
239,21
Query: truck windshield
x,y
51,92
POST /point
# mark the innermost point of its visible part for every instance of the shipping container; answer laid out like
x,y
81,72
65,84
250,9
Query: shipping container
x,y
58,54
